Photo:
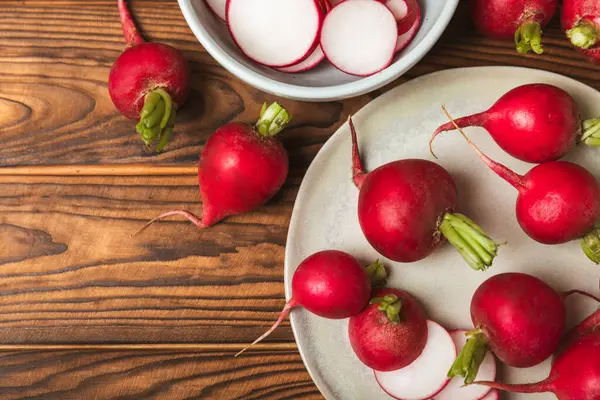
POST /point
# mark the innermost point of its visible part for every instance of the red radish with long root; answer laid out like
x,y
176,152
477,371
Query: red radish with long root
x,y
241,168
391,332
558,201
331,284
575,373
405,210
148,83
535,123
522,20
518,317
581,22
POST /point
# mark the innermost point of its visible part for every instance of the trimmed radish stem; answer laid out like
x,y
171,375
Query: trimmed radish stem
x,y
426,376
218,7
312,61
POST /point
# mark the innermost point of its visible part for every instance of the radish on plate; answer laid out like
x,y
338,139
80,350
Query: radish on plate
x,y
359,37
581,22
575,373
311,61
405,210
218,7
522,20
331,284
558,201
426,376
241,168
275,33
390,333
148,83
535,123
456,388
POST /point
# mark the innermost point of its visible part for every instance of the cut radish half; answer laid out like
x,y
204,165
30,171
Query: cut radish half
x,y
426,376
359,37
492,395
275,33
312,61
407,37
218,7
398,7
455,390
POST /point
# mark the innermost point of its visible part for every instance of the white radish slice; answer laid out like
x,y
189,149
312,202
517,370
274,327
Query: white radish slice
x,y
275,33
487,372
359,37
492,395
426,376
218,7
312,61
413,13
398,7
404,39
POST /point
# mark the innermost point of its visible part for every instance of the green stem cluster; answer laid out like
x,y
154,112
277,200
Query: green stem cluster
x,y
390,305
273,119
157,119
473,244
590,244
528,37
591,132
377,274
583,35
470,358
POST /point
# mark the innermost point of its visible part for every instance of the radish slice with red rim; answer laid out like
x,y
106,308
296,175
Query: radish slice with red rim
x,y
217,7
275,33
455,388
406,38
312,61
398,7
413,13
492,395
359,37
427,375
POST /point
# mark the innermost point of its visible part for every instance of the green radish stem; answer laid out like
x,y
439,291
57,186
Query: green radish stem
x,y
470,358
273,119
528,37
583,35
157,119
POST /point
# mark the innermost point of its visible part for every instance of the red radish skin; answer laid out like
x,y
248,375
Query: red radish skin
x,y
148,82
558,201
581,22
390,333
518,317
405,211
575,373
241,168
406,38
535,123
312,61
413,14
330,284
522,20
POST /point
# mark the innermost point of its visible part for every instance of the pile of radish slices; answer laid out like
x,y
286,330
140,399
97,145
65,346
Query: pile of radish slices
x,y
359,37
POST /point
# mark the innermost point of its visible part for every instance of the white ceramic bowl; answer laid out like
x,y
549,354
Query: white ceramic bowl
x,y
323,83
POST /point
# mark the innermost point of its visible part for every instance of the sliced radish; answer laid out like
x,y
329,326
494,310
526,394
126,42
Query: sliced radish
x,y
312,61
492,395
407,37
359,37
455,390
275,33
398,7
334,2
218,7
413,13
426,376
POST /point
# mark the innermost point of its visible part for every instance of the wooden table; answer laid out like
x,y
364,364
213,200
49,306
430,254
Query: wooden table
x,y
88,312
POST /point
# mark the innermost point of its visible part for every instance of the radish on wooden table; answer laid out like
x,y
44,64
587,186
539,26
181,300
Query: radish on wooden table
x,y
426,376
522,20
275,33
575,373
391,332
405,210
581,21
518,317
148,83
241,168
558,201
535,123
331,284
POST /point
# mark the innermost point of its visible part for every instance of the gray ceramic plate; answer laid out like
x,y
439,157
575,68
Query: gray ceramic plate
x,y
398,125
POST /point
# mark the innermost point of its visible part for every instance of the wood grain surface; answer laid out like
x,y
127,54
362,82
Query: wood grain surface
x,y
89,312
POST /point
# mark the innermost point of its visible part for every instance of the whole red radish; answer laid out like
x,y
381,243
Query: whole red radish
x,y
522,20
391,332
575,373
535,123
330,284
518,317
581,22
405,210
148,83
241,168
558,201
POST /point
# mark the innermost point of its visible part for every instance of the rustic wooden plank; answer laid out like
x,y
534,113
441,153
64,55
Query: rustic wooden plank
x,y
70,272
90,375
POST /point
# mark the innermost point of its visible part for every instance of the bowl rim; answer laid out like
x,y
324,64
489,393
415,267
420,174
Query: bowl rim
x,y
324,93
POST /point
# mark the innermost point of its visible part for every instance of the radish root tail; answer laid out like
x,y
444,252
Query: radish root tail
x,y
358,169
191,217
130,31
582,293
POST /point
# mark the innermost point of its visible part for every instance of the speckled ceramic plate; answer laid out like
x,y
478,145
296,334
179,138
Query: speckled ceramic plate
x,y
398,125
